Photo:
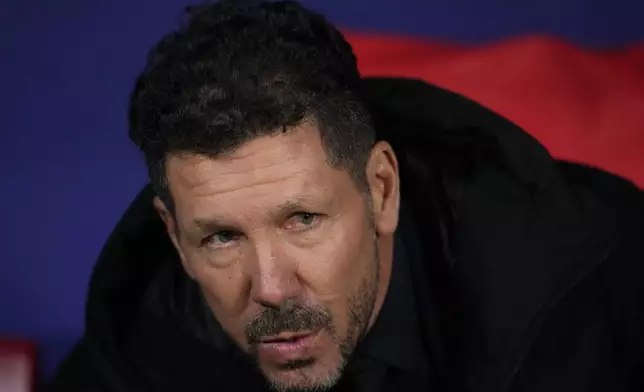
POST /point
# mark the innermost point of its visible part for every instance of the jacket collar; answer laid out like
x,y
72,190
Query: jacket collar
x,y
505,231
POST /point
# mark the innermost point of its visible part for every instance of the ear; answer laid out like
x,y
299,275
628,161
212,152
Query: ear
x,y
173,231
383,178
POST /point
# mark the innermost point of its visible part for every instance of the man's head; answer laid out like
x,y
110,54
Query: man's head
x,y
278,200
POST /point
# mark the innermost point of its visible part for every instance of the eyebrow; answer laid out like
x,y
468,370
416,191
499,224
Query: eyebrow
x,y
291,206
210,225
288,207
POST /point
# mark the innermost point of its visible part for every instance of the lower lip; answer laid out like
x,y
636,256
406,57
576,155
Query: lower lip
x,y
287,351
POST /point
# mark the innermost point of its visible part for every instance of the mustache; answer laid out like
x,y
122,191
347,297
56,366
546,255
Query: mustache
x,y
291,317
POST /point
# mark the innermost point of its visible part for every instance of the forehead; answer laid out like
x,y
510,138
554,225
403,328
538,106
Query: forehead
x,y
263,172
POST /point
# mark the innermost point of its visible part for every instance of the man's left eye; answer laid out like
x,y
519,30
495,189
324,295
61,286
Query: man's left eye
x,y
302,221
307,219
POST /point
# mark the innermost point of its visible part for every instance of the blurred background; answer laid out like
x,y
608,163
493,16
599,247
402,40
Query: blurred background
x,y
571,72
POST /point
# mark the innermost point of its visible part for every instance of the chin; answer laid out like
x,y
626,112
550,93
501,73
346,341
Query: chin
x,y
305,375
310,364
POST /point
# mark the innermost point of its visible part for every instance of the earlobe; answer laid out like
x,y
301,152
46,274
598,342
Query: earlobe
x,y
382,173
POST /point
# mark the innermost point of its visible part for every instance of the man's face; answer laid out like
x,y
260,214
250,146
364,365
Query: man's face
x,y
286,250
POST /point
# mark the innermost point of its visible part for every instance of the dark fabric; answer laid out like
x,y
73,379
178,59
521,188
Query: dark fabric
x,y
531,277
391,356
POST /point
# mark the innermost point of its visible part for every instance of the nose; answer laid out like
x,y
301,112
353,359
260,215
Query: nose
x,y
274,279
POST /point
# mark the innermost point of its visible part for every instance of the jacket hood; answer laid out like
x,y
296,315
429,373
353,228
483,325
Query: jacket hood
x,y
506,225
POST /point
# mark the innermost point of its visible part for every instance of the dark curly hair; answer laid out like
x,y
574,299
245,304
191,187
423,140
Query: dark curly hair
x,y
234,72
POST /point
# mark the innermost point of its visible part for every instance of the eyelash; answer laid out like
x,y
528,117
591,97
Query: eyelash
x,y
316,218
209,239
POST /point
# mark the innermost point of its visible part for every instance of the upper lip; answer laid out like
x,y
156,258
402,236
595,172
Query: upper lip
x,y
284,336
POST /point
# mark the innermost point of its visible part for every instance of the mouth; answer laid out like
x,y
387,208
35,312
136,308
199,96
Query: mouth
x,y
285,337
286,347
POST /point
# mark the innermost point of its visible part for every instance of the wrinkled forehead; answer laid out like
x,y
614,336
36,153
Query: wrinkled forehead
x,y
260,176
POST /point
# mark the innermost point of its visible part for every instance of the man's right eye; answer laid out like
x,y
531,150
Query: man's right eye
x,y
220,239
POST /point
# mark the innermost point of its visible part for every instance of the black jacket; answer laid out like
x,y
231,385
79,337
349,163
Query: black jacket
x,y
536,268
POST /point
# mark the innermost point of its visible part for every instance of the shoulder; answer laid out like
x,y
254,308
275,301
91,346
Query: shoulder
x,y
619,277
622,273
623,203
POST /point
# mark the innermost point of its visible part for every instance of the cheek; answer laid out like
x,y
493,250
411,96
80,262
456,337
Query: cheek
x,y
225,289
336,266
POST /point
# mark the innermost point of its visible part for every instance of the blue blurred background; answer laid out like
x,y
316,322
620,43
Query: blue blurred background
x,y
68,169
